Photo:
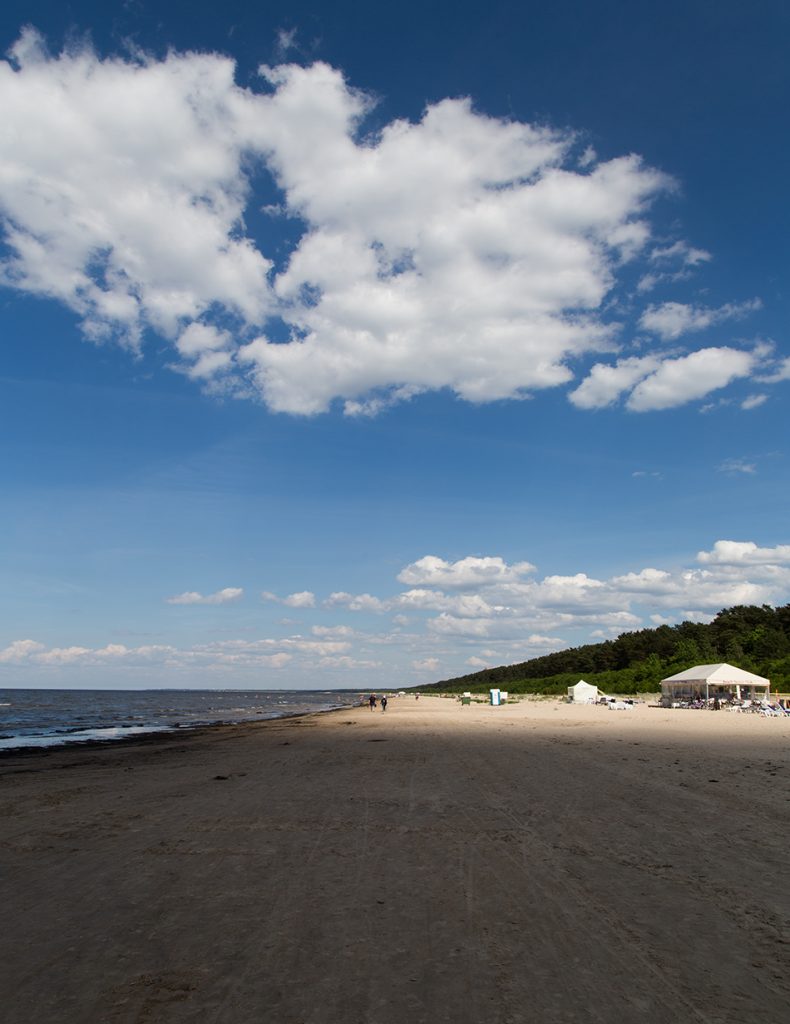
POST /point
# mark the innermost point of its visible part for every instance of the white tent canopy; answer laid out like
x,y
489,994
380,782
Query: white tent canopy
x,y
582,693
721,680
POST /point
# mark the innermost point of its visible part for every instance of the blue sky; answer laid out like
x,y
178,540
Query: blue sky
x,y
358,347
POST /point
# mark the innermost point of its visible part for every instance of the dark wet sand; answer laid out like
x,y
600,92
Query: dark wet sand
x,y
531,863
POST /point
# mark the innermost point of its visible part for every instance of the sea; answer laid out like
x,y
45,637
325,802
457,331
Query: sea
x,y
42,718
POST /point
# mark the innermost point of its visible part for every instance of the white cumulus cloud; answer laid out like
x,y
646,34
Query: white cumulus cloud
x,y
454,252
466,572
205,350
21,650
63,655
355,602
736,552
502,614
681,380
605,383
301,599
466,605
528,612
122,188
457,251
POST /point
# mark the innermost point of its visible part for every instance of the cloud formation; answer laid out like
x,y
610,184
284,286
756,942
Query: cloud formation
x,y
733,466
734,552
605,383
670,320
224,596
681,380
669,263
302,599
426,665
469,612
20,650
355,602
459,251
122,189
467,572
506,606
656,382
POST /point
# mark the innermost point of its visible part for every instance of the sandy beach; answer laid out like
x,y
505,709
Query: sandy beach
x,y
530,863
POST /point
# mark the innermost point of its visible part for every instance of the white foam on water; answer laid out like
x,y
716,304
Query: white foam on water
x,y
83,736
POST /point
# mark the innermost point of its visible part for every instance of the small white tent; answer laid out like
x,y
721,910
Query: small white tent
x,y
704,681
583,693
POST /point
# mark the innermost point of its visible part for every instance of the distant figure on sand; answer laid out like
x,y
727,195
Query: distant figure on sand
x,y
416,696
372,701
383,702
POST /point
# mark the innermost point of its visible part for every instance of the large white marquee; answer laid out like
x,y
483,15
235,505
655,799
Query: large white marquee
x,y
721,680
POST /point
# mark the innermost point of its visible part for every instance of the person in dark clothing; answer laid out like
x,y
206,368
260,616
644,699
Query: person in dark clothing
x,y
383,703
372,701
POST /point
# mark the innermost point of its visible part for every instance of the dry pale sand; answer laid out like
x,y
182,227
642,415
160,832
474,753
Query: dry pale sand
x,y
530,863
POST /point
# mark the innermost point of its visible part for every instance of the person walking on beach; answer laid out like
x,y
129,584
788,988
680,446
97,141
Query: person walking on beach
x,y
372,701
383,702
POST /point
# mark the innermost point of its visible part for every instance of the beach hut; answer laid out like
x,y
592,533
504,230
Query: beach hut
x,y
583,693
723,681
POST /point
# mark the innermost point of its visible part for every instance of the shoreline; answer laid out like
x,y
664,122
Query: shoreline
x,y
158,733
431,863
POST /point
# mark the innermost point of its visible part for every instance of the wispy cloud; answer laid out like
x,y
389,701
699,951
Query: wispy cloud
x,y
671,263
426,665
734,466
224,596
300,599
670,320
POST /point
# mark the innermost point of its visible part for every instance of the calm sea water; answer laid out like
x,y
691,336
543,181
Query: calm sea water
x,y
38,718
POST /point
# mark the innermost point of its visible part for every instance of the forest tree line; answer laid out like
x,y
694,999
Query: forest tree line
x,y
752,637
